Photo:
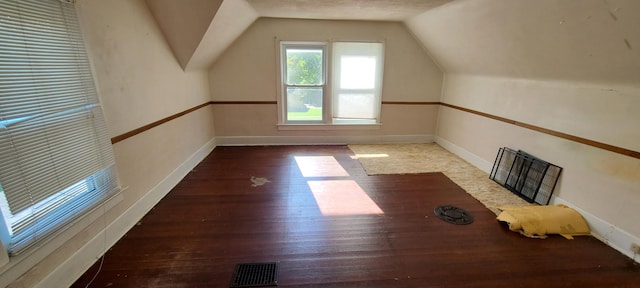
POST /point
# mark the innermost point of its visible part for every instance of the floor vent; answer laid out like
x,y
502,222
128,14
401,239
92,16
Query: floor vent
x,y
453,215
255,275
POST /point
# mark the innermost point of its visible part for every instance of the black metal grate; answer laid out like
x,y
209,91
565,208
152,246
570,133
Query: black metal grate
x,y
255,275
453,215
525,175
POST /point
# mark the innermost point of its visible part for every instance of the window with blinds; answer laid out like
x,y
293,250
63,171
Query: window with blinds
x,y
56,155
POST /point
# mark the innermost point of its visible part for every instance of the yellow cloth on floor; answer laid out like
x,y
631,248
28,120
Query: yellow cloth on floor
x,y
538,221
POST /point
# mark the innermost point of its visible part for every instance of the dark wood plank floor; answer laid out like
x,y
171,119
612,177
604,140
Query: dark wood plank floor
x,y
215,219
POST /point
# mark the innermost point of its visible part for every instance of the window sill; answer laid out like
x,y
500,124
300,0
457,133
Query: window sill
x,y
327,127
20,264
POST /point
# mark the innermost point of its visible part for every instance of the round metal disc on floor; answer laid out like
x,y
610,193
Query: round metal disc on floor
x,y
453,215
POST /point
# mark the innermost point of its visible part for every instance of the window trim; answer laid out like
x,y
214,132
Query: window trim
x,y
325,47
328,127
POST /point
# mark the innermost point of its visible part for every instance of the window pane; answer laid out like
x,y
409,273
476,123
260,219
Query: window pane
x,y
304,103
358,106
357,72
356,82
304,66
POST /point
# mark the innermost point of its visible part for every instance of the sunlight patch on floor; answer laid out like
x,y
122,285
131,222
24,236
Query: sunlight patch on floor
x,y
342,197
320,166
358,156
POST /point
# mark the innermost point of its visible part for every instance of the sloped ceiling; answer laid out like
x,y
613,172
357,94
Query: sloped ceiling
x,y
199,30
376,10
577,40
233,17
184,25
585,40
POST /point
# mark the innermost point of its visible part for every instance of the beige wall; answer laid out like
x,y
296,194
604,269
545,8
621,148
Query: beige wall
x,y
247,72
596,111
398,120
602,183
138,77
139,82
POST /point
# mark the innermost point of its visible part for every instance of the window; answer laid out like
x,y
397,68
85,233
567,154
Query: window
x,y
56,155
304,82
355,81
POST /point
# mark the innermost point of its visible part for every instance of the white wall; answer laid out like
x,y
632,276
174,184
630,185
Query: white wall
x,y
247,72
139,82
603,183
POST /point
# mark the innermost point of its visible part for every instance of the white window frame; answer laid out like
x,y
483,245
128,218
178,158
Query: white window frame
x,y
328,122
324,46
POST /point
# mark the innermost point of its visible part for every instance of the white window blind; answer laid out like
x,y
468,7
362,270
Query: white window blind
x,y
56,155
357,81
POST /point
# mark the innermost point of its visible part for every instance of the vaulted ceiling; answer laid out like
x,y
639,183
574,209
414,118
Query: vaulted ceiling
x,y
575,40
373,10
581,40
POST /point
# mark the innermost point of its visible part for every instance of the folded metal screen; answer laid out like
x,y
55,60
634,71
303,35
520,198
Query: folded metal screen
x,y
525,175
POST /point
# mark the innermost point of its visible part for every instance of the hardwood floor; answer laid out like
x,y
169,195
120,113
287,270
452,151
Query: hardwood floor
x,y
215,219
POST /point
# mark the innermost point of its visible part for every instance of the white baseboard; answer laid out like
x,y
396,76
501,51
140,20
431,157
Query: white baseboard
x,y
484,165
68,271
611,235
320,140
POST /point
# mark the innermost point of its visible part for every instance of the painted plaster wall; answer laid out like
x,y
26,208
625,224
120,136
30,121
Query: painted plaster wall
x,y
139,82
603,183
247,71
139,79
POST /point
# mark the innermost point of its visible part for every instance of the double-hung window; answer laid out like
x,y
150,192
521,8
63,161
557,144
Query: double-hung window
x,y
304,77
349,92
56,155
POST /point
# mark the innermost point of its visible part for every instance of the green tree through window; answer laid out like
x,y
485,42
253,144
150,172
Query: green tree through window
x,y
304,68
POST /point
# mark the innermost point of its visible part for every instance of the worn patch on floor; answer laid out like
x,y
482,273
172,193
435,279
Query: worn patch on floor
x,y
255,275
258,181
